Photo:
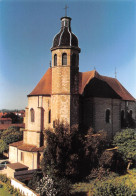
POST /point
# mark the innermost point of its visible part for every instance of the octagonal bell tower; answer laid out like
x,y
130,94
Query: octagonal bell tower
x,y
65,75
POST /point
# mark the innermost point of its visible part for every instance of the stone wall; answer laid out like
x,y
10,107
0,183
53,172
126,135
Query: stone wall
x,y
94,114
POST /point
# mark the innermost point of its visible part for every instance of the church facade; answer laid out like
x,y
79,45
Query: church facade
x,y
66,95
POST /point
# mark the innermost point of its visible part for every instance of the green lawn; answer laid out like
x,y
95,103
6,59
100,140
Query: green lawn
x,y
3,192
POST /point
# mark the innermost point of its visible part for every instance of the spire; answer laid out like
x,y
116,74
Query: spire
x,y
115,73
66,7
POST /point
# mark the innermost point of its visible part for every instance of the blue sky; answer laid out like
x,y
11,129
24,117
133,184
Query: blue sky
x,y
106,30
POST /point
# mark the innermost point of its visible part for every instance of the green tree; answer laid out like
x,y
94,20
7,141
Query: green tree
x,y
3,146
10,135
72,152
126,143
61,155
15,118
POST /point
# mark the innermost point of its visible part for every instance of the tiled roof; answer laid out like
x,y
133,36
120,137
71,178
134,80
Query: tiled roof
x,y
6,126
4,119
16,144
17,166
44,87
85,77
27,147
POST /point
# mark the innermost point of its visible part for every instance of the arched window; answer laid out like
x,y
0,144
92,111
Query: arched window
x,y
131,113
122,118
49,118
32,114
73,60
55,59
122,115
64,59
107,117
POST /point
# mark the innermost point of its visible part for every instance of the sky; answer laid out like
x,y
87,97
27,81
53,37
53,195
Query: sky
x,y
106,30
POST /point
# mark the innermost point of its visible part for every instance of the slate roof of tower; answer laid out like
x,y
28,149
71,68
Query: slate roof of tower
x,y
65,38
44,87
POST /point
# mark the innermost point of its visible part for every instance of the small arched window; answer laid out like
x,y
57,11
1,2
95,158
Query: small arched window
x,y
49,118
55,59
131,113
32,114
107,117
64,59
73,63
122,115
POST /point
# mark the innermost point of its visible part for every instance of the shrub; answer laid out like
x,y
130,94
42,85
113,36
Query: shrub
x,y
9,188
3,178
126,142
110,188
113,161
53,187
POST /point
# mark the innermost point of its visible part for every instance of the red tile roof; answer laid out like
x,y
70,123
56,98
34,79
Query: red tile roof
x,y
4,119
44,87
27,147
6,126
85,77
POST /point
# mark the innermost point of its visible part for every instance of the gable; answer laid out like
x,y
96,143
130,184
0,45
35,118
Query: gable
x,y
99,88
113,83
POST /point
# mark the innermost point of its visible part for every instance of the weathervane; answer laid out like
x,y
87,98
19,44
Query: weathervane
x,y
66,7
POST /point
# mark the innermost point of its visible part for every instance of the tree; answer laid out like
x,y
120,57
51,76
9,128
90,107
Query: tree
x,y
112,160
10,135
3,146
15,118
126,143
61,155
72,152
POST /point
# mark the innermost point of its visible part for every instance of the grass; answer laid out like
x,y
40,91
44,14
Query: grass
x,y
3,192
129,178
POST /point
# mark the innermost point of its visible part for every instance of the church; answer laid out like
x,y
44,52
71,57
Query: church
x,y
66,95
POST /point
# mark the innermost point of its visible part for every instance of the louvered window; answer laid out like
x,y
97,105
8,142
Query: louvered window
x,y
55,60
64,59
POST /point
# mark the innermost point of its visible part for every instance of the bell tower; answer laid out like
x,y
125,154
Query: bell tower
x,y
65,75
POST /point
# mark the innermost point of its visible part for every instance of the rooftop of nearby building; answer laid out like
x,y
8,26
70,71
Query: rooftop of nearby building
x,y
6,126
17,166
5,119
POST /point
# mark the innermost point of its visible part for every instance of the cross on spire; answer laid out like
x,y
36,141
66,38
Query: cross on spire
x,y
115,73
66,7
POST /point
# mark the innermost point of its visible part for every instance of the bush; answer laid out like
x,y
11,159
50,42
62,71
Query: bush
x,y
4,179
37,176
53,187
113,161
126,143
1,185
9,188
110,188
